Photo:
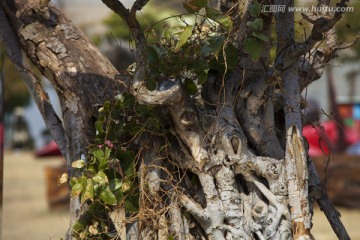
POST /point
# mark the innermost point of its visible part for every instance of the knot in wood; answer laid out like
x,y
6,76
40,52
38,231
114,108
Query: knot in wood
x,y
188,117
235,143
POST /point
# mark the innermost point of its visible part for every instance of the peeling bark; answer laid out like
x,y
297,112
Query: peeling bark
x,y
245,183
82,77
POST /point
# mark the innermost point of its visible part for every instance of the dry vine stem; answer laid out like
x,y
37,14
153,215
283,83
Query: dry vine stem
x,y
237,166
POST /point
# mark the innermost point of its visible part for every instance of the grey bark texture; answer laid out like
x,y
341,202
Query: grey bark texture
x,y
82,77
244,151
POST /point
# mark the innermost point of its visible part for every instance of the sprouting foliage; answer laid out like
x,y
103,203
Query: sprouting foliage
x,y
108,176
188,51
255,38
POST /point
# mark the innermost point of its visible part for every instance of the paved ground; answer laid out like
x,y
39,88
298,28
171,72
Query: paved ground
x,y
25,211
27,216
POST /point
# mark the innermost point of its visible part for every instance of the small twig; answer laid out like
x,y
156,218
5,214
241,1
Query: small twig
x,y
320,26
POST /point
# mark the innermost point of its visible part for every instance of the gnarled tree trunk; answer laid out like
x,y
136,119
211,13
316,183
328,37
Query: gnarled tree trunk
x,y
243,146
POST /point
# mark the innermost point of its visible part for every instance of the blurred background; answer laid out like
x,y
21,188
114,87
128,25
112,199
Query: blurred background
x,y
35,206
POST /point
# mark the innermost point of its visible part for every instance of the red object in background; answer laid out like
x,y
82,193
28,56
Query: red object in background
x,y
323,137
50,149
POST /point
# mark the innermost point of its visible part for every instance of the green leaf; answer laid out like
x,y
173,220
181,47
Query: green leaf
x,y
184,36
127,162
89,191
232,56
220,18
119,195
115,184
78,226
254,9
190,87
261,36
73,181
99,126
101,118
101,158
108,197
107,153
129,101
167,34
214,47
107,106
78,164
257,24
101,178
253,46
95,208
153,56
151,84
201,69
98,154
91,168
77,189
132,203
103,164
202,77
194,5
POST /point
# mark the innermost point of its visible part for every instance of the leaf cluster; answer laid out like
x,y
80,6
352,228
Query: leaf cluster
x,y
108,177
188,51
255,38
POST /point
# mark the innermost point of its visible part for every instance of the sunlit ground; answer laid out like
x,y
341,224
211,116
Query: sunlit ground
x,y
26,214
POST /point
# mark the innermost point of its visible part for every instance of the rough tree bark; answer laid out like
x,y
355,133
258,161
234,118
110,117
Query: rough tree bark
x,y
255,180
82,77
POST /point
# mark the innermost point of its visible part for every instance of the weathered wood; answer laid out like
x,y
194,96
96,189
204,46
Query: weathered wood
x,y
82,77
244,189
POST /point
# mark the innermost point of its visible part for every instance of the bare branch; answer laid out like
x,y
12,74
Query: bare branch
x,y
194,208
137,6
320,26
118,8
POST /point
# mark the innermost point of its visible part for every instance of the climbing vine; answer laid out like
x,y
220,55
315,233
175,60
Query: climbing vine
x,y
107,177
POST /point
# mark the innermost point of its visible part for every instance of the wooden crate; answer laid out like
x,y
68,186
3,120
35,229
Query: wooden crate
x,y
342,178
58,196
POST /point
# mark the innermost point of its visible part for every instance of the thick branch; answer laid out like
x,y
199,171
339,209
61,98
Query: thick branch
x,y
33,84
137,6
117,7
295,158
188,127
141,72
82,77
